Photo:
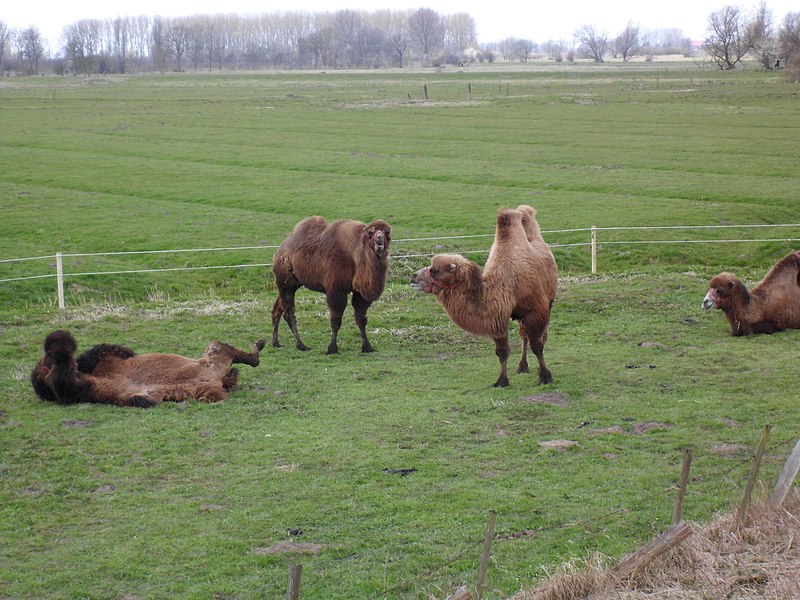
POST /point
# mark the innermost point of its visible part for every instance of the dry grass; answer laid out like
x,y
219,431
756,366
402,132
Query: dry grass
x,y
727,559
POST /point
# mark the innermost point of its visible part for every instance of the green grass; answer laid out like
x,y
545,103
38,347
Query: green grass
x,y
101,502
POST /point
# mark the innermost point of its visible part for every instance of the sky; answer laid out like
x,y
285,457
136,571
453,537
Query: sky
x,y
495,19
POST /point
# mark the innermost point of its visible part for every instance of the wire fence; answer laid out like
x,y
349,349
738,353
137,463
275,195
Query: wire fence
x,y
591,240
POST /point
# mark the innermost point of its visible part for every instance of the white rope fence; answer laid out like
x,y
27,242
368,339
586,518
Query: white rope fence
x,y
592,243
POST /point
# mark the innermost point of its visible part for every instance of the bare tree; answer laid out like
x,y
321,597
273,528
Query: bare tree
x,y
5,42
759,36
725,43
789,42
30,45
460,33
627,44
427,30
592,43
524,49
399,38
177,39
158,47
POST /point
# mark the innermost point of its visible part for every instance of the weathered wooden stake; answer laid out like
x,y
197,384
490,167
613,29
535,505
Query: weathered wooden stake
x,y
751,480
425,89
60,279
295,577
461,593
789,473
687,462
594,249
672,538
487,549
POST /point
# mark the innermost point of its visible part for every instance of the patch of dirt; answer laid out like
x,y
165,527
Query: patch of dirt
x,y
76,423
731,450
554,398
640,428
285,547
558,444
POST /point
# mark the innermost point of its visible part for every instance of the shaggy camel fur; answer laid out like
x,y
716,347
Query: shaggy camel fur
x,y
773,305
335,259
111,374
519,282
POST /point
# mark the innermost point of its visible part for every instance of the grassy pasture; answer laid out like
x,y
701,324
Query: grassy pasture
x,y
182,500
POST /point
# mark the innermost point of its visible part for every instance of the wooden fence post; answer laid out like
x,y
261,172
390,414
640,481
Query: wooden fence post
x,y
632,564
295,580
60,279
789,473
751,480
461,593
487,548
594,249
677,513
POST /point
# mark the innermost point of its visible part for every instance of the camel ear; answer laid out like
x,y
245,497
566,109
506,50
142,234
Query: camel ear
x,y
451,268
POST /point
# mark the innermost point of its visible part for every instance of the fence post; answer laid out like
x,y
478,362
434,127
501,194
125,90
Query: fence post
x,y
687,462
60,279
487,548
751,480
788,474
594,249
295,576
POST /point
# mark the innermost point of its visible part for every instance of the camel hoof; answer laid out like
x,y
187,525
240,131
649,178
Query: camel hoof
x,y
523,368
142,402
333,350
545,378
259,345
276,344
302,347
367,349
501,383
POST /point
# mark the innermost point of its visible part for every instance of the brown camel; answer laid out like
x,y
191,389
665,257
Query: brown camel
x,y
772,305
519,282
336,259
111,374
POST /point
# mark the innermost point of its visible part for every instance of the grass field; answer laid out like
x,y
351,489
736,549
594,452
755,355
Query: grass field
x,y
184,500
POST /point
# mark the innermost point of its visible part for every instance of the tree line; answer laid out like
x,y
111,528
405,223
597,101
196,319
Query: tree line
x,y
369,39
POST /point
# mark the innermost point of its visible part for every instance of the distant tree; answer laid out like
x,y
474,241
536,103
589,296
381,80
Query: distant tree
x,y
398,40
5,42
592,43
789,43
427,30
176,39
759,36
627,44
121,42
158,44
725,44
460,33
30,45
524,49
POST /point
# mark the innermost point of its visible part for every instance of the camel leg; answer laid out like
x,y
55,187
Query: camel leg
x,y
360,307
537,335
287,300
502,351
523,362
337,302
232,354
277,315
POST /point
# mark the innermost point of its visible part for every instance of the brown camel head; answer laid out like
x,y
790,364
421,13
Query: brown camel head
x,y
721,290
446,272
379,233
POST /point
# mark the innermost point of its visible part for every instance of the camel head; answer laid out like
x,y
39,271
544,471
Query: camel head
x,y
379,234
721,290
446,272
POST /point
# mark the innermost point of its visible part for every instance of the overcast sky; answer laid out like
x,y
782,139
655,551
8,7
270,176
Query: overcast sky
x,y
495,19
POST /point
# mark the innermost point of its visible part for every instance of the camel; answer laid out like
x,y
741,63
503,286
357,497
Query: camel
x,y
519,281
771,306
336,259
112,374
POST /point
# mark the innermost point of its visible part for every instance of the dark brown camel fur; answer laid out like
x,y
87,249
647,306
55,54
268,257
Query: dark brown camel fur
x,y
519,281
336,259
772,305
111,374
